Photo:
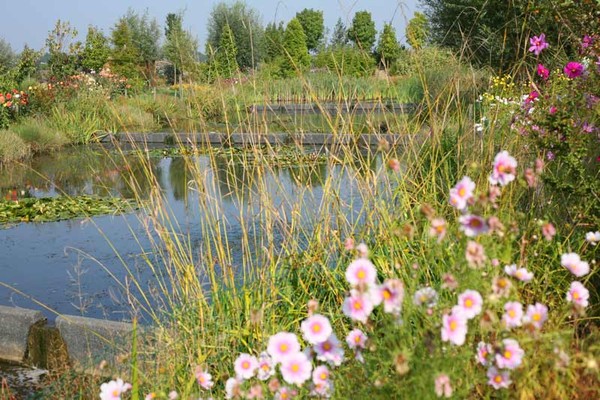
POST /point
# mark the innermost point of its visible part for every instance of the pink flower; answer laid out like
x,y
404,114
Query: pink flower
x,y
578,294
281,345
358,306
245,366
573,69
513,314
330,351
511,356
363,250
498,379
454,327
442,386
462,193
392,295
504,169
203,378
356,339
320,375
233,388
484,353
592,238
536,315
349,244
475,254
520,273
470,302
574,264
285,393
473,225
296,369
538,43
114,389
265,367
438,228
316,329
543,71
548,231
361,272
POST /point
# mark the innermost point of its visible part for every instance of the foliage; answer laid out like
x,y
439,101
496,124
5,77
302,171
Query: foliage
x,y
339,37
313,26
125,59
64,50
180,47
388,48
95,51
417,31
247,30
346,61
273,42
12,147
7,56
226,54
60,208
296,58
27,64
362,32
145,36
495,32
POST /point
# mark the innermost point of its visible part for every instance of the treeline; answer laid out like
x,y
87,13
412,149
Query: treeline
x,y
143,51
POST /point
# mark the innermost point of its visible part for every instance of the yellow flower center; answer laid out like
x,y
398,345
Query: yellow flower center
x,y
462,192
468,303
512,313
537,317
502,283
358,305
357,339
361,274
316,328
453,326
323,375
507,355
116,393
575,295
265,367
386,294
498,379
245,365
283,347
439,228
295,368
327,346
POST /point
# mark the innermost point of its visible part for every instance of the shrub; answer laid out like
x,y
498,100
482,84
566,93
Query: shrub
x,y
12,147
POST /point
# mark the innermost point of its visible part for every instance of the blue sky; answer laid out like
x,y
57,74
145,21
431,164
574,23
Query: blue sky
x,y
29,21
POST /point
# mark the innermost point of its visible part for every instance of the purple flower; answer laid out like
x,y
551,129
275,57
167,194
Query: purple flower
x,y
538,43
498,379
473,225
573,69
587,41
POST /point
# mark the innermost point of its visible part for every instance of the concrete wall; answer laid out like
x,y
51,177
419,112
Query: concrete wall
x,y
86,341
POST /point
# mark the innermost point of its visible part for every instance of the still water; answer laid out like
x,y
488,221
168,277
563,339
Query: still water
x,y
78,266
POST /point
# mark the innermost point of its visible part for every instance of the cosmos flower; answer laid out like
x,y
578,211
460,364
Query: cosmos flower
x,y
114,389
574,264
361,272
578,294
511,355
358,306
484,353
462,193
356,339
392,295
281,345
330,351
573,69
473,225
543,72
320,375
504,169
425,297
593,238
520,273
498,379
454,327
470,302
513,314
475,254
266,369
538,43
245,366
203,378
316,329
296,369
536,315
438,228
442,386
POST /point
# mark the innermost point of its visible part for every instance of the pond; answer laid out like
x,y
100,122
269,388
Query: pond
x,y
82,266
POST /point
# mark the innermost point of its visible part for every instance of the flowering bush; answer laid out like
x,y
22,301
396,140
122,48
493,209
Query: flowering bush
x,y
12,104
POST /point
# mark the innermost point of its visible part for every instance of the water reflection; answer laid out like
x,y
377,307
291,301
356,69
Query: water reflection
x,y
49,261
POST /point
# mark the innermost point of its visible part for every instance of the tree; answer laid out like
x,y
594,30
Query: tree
x,y
296,57
246,27
96,50
180,47
313,26
225,58
340,35
417,31
145,35
27,64
388,49
273,41
64,50
363,32
7,56
125,55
